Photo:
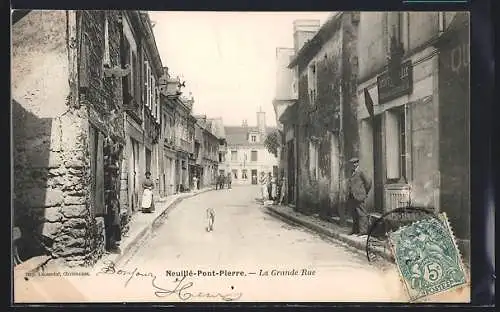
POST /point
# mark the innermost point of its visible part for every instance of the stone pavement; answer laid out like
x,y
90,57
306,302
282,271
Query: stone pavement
x,y
330,229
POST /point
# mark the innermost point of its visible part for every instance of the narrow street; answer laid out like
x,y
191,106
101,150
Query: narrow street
x,y
247,239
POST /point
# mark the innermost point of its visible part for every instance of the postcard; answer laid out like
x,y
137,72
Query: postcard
x,y
178,157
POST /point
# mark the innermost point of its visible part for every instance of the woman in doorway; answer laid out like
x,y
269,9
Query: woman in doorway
x,y
148,204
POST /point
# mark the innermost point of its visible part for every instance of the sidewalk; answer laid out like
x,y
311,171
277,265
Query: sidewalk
x,y
329,229
142,224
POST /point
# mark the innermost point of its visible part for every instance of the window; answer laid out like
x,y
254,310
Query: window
x,y
127,80
234,155
106,60
394,28
253,156
244,175
235,173
396,155
312,83
254,138
313,160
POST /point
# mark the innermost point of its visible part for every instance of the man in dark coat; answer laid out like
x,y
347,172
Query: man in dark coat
x,y
358,188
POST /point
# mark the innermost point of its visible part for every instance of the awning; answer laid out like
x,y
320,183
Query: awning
x,y
289,116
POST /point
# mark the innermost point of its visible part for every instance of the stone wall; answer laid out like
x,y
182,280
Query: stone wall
x,y
336,66
52,172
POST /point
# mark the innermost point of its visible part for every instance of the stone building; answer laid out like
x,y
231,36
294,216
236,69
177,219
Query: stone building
x,y
179,132
207,148
247,156
414,80
320,127
141,102
68,131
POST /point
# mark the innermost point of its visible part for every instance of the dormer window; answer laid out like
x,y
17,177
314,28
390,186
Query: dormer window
x,y
254,138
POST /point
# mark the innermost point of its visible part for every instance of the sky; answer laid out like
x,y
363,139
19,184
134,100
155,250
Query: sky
x,y
227,58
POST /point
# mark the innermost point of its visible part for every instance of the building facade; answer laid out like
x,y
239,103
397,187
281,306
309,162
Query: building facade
x,y
208,151
286,95
142,107
68,126
179,160
413,72
320,127
247,156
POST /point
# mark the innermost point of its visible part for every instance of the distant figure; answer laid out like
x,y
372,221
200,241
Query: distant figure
x,y
148,185
222,181
263,186
229,180
283,190
269,184
359,186
195,183
210,219
274,188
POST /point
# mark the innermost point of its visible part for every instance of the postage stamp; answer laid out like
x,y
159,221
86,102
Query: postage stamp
x,y
427,257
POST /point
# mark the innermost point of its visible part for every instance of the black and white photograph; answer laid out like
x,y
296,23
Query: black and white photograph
x,y
203,156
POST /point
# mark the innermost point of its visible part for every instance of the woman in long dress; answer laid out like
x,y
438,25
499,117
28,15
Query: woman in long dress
x,y
148,185
263,186
274,188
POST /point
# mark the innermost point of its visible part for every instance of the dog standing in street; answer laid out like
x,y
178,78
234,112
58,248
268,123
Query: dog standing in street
x,y
211,219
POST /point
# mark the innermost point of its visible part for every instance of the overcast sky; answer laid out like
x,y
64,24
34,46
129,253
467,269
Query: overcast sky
x,y
227,58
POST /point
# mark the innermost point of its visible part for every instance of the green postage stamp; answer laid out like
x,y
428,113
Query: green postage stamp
x,y
427,257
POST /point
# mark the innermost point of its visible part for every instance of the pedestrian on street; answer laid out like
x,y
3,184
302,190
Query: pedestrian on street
x,y
269,184
229,180
195,183
222,181
263,186
274,188
283,189
148,204
359,186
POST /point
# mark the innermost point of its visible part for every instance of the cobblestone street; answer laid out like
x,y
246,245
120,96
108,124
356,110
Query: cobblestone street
x,y
247,239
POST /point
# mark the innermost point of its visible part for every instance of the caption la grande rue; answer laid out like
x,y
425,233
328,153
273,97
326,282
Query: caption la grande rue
x,y
227,273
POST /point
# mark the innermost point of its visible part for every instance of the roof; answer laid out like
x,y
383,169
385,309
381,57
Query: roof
x,y
238,135
312,47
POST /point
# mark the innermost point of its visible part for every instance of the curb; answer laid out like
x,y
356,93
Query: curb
x,y
330,233
149,228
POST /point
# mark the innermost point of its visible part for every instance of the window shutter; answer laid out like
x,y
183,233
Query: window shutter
x,y
106,56
100,207
84,72
392,145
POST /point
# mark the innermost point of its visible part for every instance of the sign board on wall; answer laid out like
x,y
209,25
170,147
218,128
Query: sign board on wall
x,y
389,90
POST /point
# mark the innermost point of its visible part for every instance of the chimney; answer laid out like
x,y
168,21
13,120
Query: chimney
x,y
303,31
261,122
244,123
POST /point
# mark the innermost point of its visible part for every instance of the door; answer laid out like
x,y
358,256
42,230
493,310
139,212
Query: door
x,y
378,169
254,176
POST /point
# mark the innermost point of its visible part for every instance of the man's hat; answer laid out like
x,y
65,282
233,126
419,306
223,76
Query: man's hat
x,y
354,160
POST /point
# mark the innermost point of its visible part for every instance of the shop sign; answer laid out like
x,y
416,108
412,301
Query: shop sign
x,y
389,89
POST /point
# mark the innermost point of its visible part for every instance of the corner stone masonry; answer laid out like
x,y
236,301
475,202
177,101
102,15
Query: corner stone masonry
x,y
55,198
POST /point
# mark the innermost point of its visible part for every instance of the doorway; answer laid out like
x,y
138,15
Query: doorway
x,y
254,176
